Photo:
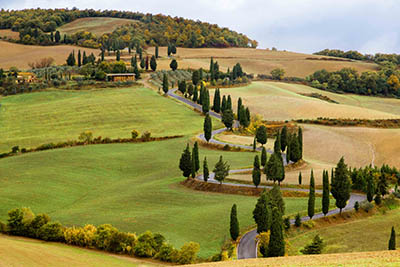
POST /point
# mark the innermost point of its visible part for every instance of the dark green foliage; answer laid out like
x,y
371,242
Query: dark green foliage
x,y
196,156
300,178
37,223
57,37
315,247
173,65
295,153
79,58
262,213
153,63
137,73
206,173
277,144
195,94
52,231
156,51
261,135
297,220
248,116
311,197
223,103
142,63
102,55
239,106
234,224
392,240
134,62
229,103
185,162
370,187
382,185
118,56
195,77
190,90
274,169
325,193
378,199
18,221
356,206
165,84
169,50
256,174
228,118
286,223
276,246
145,247
193,168
71,59
205,101
182,86
300,139
207,127
276,199
243,118
263,156
284,138
217,101
221,170
341,184
254,144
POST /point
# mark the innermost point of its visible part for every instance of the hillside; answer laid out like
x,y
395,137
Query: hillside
x,y
17,251
18,55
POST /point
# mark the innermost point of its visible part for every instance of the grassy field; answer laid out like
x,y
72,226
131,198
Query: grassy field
x,y
9,34
256,61
29,120
97,26
17,251
132,186
18,55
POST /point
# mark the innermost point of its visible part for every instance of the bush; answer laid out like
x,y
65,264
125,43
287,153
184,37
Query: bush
x,y
167,253
356,206
52,231
104,236
86,137
366,206
297,220
286,223
3,228
100,75
135,134
19,221
145,247
309,224
37,223
188,253
146,135
83,237
315,247
15,149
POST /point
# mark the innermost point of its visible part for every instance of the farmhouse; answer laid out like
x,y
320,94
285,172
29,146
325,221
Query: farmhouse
x,y
118,77
25,77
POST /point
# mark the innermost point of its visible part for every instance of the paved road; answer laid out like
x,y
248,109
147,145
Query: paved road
x,y
248,245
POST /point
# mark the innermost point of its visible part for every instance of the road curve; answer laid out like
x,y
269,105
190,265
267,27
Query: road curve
x,y
248,244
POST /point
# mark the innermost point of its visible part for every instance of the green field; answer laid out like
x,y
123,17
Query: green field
x,y
29,120
16,251
132,186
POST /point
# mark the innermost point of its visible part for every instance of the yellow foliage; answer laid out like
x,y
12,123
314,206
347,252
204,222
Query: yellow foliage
x,y
394,82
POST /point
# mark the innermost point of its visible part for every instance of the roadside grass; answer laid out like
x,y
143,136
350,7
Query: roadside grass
x,y
135,187
18,251
29,120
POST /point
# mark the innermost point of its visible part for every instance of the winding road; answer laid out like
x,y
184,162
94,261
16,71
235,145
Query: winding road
x,y
248,244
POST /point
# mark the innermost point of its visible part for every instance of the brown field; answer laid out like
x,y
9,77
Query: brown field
x,y
256,61
97,26
9,34
17,55
379,258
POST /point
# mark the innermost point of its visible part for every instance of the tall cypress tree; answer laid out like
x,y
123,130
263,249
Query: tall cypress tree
x,y
300,178
229,103
248,116
284,138
165,83
118,57
185,162
206,173
276,199
392,240
256,174
239,106
205,101
276,246
195,94
79,58
207,127
193,170
311,197
234,225
242,117
228,118
277,144
263,157
153,63
261,135
102,55
300,139
156,51
325,193
341,185
370,187
217,101
262,213
195,77
223,104
196,156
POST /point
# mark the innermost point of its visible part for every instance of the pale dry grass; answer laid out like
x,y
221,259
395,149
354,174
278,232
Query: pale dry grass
x,y
9,34
17,55
258,61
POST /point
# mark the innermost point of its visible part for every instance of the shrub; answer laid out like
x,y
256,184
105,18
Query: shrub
x,y
86,137
104,236
188,253
83,237
309,224
146,135
15,149
366,206
315,247
37,223
356,206
167,253
145,247
19,221
286,223
3,228
52,231
297,220
100,75
135,134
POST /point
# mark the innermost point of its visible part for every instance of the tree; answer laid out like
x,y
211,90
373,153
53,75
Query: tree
x,y
169,50
315,247
256,174
300,139
205,107
185,163
57,36
147,62
341,184
195,77
370,187
102,55
207,127
243,118
156,51
229,102
182,87
254,144
206,173
227,118
137,73
311,197
118,57
277,144
276,246
217,101
173,65
276,199
193,169
300,178
165,83
195,94
261,135
277,74
382,185
239,106
142,63
223,104
79,58
71,59
274,170
392,240
234,225
284,138
263,157
262,213
196,156
173,49
221,170
153,63
325,193
297,220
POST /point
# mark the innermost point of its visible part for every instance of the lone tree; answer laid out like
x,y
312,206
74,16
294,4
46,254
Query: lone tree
x,y
256,174
165,83
153,63
196,156
276,246
207,127
311,197
217,101
315,247
262,213
325,193
173,65
221,170
261,135
234,225
227,118
392,240
185,163
341,185
284,138
206,173
263,157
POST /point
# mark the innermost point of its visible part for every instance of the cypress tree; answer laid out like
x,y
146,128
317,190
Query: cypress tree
x,y
288,151
300,139
276,246
297,220
153,63
212,69
201,95
300,178
392,240
118,57
325,193
295,154
248,116
274,170
229,103
254,144
256,174
85,59
221,170
142,63
223,104
206,173
133,62
276,199
261,213
102,54
57,37
207,127
370,187
243,118
234,225
311,197
277,144
227,118
284,138
217,101
185,162
205,101
261,135
195,94
137,73
156,52
239,106
196,156
263,157
193,170
195,77
341,185
165,83
173,65
79,58
169,50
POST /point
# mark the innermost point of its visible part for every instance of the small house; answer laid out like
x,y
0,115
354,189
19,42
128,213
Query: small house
x,y
25,77
120,77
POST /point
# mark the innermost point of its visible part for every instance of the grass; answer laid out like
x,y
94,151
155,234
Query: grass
x,y
257,61
132,186
29,120
97,26
7,33
18,55
16,251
